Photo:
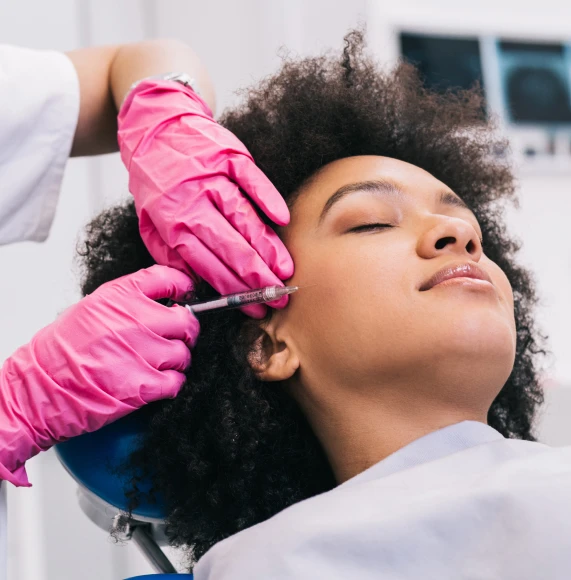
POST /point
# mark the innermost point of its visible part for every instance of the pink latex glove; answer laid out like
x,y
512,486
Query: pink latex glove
x,y
194,185
105,356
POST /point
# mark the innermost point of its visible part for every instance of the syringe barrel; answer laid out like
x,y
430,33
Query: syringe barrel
x,y
267,294
243,298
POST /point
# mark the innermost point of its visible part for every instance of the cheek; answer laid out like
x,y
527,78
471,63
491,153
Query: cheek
x,y
348,277
503,285
354,298
507,293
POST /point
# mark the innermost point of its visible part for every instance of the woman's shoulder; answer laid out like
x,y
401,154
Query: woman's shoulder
x,y
455,486
277,533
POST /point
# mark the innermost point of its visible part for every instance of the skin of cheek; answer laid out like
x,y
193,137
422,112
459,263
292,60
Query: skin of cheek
x,y
357,317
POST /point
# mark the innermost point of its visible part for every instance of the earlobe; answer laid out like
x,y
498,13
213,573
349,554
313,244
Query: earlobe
x,y
272,359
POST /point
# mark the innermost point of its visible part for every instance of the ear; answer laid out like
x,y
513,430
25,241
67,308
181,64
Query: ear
x,y
271,357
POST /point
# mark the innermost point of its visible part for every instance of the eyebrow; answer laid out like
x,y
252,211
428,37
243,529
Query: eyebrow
x,y
385,188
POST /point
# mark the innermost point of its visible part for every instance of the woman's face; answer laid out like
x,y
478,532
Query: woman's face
x,y
366,235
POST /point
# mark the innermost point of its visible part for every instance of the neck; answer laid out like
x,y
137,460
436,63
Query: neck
x,y
357,432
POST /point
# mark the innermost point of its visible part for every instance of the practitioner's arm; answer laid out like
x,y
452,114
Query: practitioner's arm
x,y
107,72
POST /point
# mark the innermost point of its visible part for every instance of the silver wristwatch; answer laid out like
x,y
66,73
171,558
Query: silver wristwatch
x,y
177,77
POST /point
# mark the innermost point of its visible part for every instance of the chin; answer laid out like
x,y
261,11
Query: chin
x,y
488,334
474,354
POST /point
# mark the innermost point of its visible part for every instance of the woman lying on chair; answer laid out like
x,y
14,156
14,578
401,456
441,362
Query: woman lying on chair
x,y
382,424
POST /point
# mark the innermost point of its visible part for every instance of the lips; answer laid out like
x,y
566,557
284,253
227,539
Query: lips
x,y
462,270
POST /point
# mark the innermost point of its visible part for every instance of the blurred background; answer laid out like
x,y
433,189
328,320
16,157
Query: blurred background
x,y
520,52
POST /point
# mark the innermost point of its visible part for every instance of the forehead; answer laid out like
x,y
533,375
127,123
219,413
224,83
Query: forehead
x,y
414,180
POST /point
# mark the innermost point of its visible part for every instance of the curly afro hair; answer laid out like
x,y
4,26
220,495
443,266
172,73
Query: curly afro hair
x,y
229,452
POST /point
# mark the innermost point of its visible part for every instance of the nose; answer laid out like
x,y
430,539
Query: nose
x,y
450,236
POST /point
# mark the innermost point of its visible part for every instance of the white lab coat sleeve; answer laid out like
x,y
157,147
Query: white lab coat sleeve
x,y
3,532
39,109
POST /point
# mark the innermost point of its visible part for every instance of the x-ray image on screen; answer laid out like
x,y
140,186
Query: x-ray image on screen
x,y
444,62
535,82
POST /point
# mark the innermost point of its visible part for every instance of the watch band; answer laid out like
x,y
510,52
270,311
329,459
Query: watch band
x,y
182,78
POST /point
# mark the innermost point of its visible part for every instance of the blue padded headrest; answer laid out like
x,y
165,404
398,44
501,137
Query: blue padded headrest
x,y
156,576
91,459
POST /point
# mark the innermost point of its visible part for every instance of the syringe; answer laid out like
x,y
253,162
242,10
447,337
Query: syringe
x,y
267,294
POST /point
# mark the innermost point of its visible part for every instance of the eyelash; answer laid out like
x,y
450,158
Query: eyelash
x,y
367,227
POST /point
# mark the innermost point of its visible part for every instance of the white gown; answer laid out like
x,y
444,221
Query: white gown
x,y
460,503
39,108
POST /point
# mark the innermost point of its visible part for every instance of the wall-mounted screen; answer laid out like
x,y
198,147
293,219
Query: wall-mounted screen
x,y
527,85
535,82
444,62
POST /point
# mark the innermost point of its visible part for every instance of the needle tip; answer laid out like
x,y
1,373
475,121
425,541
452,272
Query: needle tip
x,y
285,290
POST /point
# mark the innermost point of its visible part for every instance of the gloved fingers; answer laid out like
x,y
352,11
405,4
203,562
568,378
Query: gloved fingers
x,y
174,323
232,250
172,384
164,385
252,180
159,282
238,210
171,355
162,253
202,262
162,354
207,266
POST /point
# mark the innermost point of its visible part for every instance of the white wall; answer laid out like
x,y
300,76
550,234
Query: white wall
x,y
48,536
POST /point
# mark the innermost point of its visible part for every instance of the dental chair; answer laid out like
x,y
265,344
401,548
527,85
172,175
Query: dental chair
x,y
91,460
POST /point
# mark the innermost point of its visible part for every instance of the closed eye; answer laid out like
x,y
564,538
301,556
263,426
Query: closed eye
x,y
368,227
